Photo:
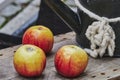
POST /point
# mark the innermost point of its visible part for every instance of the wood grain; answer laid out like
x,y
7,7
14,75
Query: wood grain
x,y
97,69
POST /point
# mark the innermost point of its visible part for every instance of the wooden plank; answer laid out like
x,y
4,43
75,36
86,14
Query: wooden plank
x,y
97,69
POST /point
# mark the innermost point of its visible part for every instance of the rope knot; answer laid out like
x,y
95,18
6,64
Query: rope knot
x,y
100,33
105,19
101,36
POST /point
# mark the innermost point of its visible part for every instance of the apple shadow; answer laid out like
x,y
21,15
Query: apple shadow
x,y
58,75
42,76
50,54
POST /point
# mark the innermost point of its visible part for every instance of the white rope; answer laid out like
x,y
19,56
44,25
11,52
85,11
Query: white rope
x,y
93,15
100,33
102,37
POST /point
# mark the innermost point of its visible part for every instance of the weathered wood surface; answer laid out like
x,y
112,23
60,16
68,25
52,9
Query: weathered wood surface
x,y
97,69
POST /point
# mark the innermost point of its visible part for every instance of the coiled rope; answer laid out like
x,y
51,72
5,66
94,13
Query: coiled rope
x,y
100,33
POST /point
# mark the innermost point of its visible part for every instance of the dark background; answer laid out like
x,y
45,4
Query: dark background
x,y
48,18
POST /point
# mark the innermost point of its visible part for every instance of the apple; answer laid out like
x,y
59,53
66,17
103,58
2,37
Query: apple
x,y
29,61
40,36
70,61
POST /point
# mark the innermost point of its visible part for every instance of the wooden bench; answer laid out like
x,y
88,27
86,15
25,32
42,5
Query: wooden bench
x,y
97,69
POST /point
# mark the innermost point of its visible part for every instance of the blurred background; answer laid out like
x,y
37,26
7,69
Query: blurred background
x,y
18,15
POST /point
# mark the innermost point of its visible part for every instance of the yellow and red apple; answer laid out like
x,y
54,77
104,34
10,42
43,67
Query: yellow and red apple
x,y
40,36
29,61
70,61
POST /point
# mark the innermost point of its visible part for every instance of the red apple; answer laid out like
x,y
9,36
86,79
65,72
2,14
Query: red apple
x,y
40,36
70,61
29,61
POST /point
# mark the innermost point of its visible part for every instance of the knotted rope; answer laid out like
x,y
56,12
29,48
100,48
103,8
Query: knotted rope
x,y
100,33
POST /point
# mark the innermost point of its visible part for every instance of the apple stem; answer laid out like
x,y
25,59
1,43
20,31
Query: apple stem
x,y
73,47
30,49
40,28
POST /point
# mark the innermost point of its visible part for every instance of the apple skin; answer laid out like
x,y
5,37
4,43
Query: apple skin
x,y
40,36
29,61
70,61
